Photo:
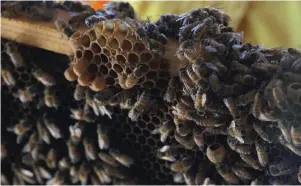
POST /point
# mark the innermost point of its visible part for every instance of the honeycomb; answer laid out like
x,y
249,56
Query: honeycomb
x,y
116,115
111,54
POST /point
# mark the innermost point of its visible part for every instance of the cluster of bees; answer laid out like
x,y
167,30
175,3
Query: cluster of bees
x,y
231,115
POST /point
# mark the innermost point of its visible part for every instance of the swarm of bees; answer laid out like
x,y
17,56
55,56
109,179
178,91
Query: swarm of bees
x,y
231,115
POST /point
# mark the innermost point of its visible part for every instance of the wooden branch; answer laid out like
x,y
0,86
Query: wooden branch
x,y
36,33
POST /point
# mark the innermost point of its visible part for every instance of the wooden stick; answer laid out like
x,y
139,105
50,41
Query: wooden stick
x,y
36,33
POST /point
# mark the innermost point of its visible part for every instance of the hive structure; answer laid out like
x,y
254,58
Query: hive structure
x,y
111,54
231,115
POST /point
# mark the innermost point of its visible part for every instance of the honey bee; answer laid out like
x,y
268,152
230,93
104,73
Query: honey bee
x,y
26,95
125,99
240,148
90,149
103,137
215,83
285,130
182,165
76,131
121,158
64,28
239,67
3,151
257,108
261,154
79,92
108,159
230,104
186,141
185,45
64,163
8,77
94,19
192,75
167,152
23,174
10,9
44,78
43,132
170,93
211,122
21,127
95,180
294,51
246,79
228,175
185,31
103,97
185,112
74,173
296,66
188,83
164,130
52,127
131,80
82,114
198,138
84,171
296,135
140,106
294,149
51,99
242,172
121,80
262,132
51,159
73,151
200,29
200,100
103,177
246,98
76,18
140,70
184,128
32,145
114,172
248,158
212,46
39,13
189,176
220,16
289,76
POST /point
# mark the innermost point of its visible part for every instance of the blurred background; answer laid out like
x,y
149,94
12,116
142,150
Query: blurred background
x,y
272,23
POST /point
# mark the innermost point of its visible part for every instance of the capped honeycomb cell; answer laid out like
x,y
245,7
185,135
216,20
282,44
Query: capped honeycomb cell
x,y
99,83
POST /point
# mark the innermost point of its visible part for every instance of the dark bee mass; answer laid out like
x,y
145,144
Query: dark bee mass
x,y
112,113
